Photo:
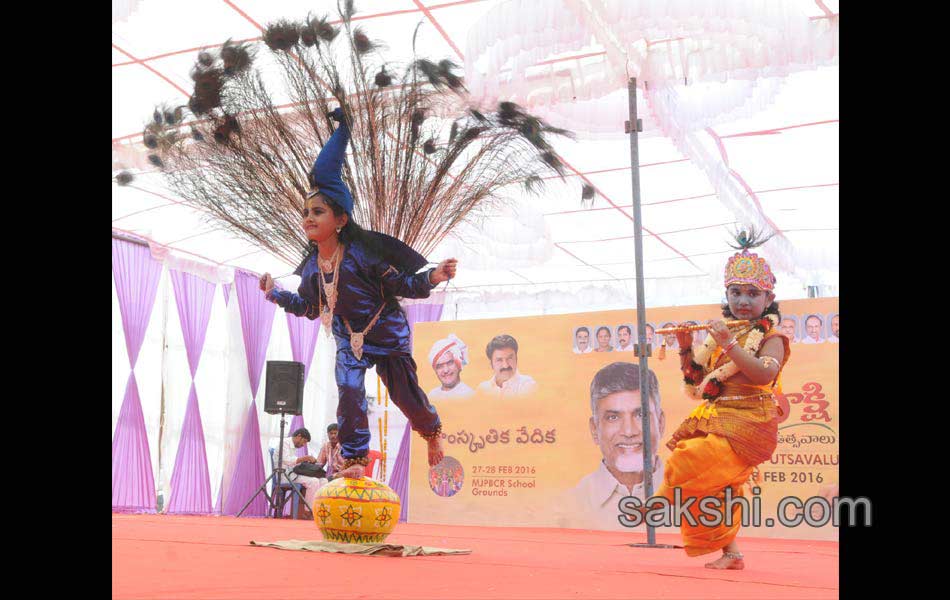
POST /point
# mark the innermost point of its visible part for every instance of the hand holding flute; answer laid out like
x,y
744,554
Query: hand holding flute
x,y
691,328
684,332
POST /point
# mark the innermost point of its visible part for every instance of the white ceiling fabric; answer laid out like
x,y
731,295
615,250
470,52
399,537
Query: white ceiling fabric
x,y
759,151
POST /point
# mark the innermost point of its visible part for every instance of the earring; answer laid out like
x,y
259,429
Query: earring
x,y
339,229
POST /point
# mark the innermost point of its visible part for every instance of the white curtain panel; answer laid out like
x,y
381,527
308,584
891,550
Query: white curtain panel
x,y
221,383
148,369
210,386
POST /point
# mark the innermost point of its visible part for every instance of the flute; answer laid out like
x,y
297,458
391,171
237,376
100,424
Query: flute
x,y
665,330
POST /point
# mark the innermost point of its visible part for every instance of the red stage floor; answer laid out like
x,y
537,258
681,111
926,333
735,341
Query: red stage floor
x,y
155,556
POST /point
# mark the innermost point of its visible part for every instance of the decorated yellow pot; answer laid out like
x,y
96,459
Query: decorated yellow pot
x,y
356,511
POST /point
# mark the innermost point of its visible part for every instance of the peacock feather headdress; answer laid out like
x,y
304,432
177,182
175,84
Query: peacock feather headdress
x,y
747,268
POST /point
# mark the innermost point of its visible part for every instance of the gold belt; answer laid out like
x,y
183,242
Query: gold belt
x,y
708,409
751,397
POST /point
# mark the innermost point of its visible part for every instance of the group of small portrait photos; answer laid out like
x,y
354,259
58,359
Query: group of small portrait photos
x,y
669,340
811,328
608,338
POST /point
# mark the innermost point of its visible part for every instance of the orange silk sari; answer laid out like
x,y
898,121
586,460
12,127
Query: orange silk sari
x,y
717,447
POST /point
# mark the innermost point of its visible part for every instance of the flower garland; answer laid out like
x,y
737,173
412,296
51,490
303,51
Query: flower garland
x,y
706,385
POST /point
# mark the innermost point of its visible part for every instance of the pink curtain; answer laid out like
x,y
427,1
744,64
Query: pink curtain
x,y
190,483
136,276
303,340
399,479
257,317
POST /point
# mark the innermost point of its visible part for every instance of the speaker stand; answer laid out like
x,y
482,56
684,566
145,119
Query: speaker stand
x,y
276,500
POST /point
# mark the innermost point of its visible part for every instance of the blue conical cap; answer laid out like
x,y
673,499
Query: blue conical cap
x,y
327,172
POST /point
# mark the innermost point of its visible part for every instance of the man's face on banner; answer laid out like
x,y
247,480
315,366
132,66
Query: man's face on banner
x,y
670,338
504,362
623,335
582,338
650,333
834,325
813,327
788,329
448,371
617,429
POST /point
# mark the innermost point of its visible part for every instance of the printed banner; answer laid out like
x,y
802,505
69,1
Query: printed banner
x,y
528,452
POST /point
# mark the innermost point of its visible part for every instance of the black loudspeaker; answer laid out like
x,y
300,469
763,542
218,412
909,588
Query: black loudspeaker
x,y
283,387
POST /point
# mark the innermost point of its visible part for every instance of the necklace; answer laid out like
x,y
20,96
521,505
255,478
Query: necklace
x,y
326,264
329,288
357,337
711,385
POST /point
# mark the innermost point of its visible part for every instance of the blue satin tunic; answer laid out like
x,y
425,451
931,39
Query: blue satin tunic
x,y
366,283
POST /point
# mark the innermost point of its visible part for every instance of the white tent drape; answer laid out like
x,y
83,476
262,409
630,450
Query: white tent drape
x,y
221,383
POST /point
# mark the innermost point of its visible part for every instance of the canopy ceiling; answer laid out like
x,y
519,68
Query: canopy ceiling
x,y
785,155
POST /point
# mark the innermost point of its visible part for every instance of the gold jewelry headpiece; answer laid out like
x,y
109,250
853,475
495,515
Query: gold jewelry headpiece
x,y
746,268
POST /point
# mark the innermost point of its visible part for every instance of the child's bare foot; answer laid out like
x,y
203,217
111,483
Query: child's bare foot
x,y
436,454
728,560
354,472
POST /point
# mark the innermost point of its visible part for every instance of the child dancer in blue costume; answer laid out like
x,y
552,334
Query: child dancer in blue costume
x,y
350,280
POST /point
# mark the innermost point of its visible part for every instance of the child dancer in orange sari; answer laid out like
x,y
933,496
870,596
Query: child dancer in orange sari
x,y
736,427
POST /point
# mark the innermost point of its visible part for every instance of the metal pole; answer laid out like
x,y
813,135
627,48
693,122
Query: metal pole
x,y
633,128
279,506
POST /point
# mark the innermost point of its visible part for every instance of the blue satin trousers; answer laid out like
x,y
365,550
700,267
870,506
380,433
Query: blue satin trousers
x,y
398,373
